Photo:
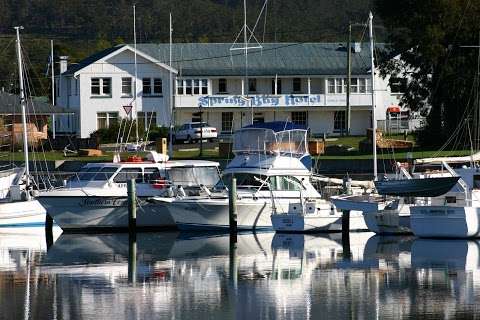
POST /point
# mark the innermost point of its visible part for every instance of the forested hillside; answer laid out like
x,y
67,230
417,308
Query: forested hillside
x,y
80,28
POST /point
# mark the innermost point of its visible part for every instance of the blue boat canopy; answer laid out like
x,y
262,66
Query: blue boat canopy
x,y
277,126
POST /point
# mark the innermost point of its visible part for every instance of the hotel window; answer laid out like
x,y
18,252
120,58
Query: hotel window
x,y
258,117
157,86
362,85
179,86
188,86
127,87
106,119
197,117
222,85
354,85
227,122
300,118
204,84
338,121
252,85
147,87
101,87
297,85
196,87
146,120
279,86
339,85
331,85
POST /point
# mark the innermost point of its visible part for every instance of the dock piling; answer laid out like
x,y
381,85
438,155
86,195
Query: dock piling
x,y
232,207
346,234
132,205
48,230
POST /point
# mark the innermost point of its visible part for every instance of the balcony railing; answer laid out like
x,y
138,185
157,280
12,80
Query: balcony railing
x,y
266,100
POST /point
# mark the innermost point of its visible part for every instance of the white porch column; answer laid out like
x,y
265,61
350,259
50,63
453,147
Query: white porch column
x,y
243,87
276,84
309,86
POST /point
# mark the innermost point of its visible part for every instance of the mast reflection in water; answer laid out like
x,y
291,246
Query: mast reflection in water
x,y
265,276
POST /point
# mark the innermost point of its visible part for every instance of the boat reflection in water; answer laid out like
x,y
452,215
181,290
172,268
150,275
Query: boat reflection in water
x,y
262,276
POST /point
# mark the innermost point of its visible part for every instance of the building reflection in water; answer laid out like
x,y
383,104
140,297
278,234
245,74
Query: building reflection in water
x,y
266,276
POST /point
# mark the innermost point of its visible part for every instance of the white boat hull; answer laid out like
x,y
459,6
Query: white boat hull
x,y
445,221
191,214
315,222
395,221
22,214
92,212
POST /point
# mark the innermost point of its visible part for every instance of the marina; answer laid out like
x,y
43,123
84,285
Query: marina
x,y
323,168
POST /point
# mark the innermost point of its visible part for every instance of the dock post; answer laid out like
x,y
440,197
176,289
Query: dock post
x,y
132,205
48,230
346,234
232,208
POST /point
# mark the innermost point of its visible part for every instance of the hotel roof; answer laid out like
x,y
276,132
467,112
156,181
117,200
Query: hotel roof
x,y
216,59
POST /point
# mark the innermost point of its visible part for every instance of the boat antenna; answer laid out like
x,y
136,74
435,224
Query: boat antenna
x,y
246,40
374,119
24,113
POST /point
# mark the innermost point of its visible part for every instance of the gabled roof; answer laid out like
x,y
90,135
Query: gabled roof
x,y
216,59
91,59
10,104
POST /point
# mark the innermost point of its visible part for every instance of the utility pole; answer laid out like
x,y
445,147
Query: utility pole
x,y
349,78
53,87
374,117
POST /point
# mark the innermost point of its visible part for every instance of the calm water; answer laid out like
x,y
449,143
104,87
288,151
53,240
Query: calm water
x,y
267,276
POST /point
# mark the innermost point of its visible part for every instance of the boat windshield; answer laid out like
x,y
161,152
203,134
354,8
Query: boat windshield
x,y
194,176
292,142
260,140
254,140
244,181
96,173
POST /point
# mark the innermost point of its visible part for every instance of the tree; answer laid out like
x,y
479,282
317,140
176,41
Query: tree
x,y
429,35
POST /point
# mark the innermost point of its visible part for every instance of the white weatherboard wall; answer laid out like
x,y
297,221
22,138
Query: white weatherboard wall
x,y
116,67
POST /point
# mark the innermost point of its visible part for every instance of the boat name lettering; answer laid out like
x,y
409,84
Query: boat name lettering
x,y
117,202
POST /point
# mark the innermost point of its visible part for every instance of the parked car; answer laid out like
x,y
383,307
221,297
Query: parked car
x,y
193,131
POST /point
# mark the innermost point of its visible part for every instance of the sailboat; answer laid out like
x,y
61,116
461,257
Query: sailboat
x,y
388,209
19,208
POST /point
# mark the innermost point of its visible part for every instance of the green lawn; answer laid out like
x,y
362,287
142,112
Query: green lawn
x,y
353,141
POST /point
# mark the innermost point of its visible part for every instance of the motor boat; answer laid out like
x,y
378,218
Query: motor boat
x,y
271,161
96,197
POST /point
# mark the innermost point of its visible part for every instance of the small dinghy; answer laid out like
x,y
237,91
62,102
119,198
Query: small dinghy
x,y
416,187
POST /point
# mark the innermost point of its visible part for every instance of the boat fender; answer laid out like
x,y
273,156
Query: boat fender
x,y
181,192
159,184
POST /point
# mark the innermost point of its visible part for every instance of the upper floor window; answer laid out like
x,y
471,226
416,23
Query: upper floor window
x,y
101,86
278,85
397,85
192,86
127,87
222,85
297,85
252,85
152,86
339,85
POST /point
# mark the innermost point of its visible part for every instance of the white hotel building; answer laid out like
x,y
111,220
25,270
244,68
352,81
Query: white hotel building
x,y
304,83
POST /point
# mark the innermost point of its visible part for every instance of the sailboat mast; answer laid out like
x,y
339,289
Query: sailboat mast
x,y
170,82
245,42
134,109
374,118
24,113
